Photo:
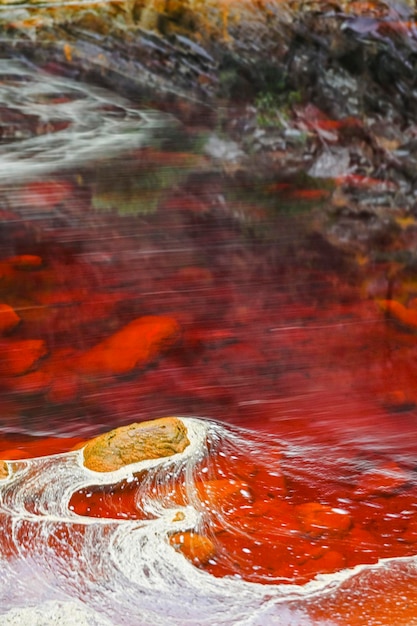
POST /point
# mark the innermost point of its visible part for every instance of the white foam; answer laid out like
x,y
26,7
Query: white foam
x,y
89,131
54,613
124,572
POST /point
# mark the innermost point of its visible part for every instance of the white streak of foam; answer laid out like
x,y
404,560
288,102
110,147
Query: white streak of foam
x,y
89,133
125,571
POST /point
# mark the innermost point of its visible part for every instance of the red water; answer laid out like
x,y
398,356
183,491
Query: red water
x,y
256,323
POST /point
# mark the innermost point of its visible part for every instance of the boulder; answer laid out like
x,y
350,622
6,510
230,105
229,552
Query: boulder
x,y
137,442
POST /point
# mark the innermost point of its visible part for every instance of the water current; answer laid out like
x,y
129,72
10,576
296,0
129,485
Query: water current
x,y
299,480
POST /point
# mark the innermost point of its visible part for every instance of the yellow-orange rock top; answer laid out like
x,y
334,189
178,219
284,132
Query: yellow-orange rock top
x,y
137,442
134,345
4,470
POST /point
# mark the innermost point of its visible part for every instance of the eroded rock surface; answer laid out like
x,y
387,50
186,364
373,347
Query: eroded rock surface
x,y
137,442
4,470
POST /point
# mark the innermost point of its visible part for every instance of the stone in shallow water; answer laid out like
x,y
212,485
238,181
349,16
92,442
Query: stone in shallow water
x,y
317,519
137,442
8,318
21,356
4,470
196,548
134,345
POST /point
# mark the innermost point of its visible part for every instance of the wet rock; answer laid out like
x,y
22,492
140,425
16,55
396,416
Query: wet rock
x,y
217,494
20,356
317,519
8,318
410,534
223,150
330,562
363,545
137,442
405,316
4,470
385,480
135,345
339,91
331,163
196,548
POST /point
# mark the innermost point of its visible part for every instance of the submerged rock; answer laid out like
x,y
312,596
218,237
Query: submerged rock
x,y
134,345
317,519
196,548
137,442
21,356
8,318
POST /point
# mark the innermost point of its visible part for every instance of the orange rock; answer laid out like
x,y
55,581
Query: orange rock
x,y
271,522
8,318
383,481
215,493
361,546
317,519
196,548
18,357
137,442
410,534
26,262
135,345
331,561
400,313
4,470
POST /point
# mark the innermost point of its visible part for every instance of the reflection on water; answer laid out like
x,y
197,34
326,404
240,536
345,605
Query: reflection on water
x,y
143,273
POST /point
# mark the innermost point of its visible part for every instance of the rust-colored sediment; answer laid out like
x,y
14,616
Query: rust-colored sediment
x,y
137,442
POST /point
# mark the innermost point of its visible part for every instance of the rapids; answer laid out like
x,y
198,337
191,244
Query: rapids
x,y
124,571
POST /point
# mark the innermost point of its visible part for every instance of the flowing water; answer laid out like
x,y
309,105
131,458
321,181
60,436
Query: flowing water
x,y
298,487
